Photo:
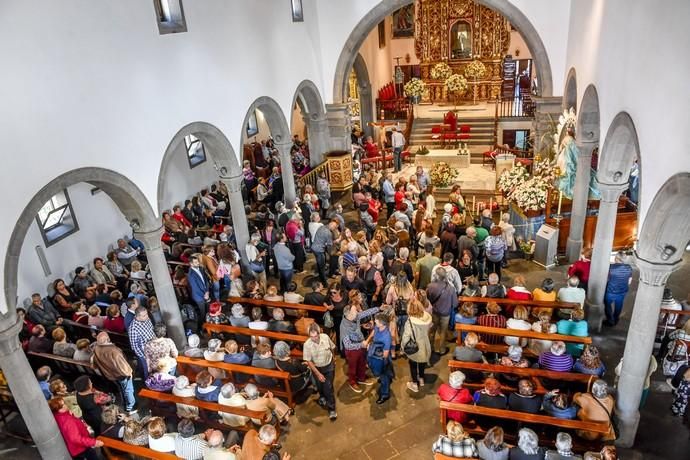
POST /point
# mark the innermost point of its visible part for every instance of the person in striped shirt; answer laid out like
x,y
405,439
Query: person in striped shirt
x,y
492,318
456,443
556,359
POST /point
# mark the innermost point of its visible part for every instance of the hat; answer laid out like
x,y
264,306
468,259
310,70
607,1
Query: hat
x,y
237,311
214,308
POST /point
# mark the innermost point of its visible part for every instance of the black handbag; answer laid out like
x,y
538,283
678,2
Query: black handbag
x,y
411,346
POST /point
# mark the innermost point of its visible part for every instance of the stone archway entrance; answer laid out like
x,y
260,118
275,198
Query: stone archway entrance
x,y
309,101
137,210
280,131
570,93
366,103
385,8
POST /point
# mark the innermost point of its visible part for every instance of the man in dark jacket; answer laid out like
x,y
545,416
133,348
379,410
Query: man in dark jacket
x,y
42,312
110,360
444,302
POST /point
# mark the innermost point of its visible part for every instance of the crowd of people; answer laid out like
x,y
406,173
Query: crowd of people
x,y
390,285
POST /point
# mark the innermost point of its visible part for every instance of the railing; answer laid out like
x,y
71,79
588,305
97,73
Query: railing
x,y
312,176
517,107
499,149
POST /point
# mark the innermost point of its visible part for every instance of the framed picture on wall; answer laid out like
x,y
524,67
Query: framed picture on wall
x,y
382,34
252,125
403,22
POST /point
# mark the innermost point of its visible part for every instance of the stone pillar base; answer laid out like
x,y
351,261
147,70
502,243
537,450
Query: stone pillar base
x,y
595,316
627,426
573,248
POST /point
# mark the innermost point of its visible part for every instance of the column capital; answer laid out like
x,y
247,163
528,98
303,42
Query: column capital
x,y
9,337
150,238
586,148
611,193
654,274
234,183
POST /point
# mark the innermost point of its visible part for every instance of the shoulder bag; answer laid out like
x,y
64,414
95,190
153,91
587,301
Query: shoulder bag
x,y
411,346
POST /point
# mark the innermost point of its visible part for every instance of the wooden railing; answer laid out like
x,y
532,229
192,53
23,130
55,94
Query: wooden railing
x,y
312,176
515,107
500,149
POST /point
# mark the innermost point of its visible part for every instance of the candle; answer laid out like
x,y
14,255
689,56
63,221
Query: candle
x,y
473,206
491,203
560,200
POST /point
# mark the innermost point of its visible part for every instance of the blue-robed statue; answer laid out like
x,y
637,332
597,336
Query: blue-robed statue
x,y
567,164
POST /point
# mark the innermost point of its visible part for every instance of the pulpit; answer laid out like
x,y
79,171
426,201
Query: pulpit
x,y
340,170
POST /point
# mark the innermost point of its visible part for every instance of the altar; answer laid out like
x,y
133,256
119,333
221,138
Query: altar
x,y
470,176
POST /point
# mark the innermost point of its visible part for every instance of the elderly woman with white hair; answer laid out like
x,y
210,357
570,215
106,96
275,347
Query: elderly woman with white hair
x,y
300,374
564,449
229,396
527,447
453,391
257,444
556,358
596,406
184,389
508,231
266,403
256,259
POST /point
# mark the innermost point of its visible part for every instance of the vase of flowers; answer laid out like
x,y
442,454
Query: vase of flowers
x,y
414,89
441,71
442,174
456,84
510,179
475,70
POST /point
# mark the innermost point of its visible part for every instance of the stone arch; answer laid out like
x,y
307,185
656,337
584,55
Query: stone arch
x,y
570,92
308,98
127,196
366,109
386,8
217,147
666,229
588,129
621,149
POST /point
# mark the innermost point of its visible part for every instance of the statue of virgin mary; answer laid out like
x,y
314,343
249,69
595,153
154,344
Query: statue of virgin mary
x,y
567,163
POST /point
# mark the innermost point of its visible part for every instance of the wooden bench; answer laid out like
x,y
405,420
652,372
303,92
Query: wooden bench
x,y
527,303
502,348
156,397
438,456
271,304
505,414
283,377
536,375
224,328
66,365
111,446
670,320
90,332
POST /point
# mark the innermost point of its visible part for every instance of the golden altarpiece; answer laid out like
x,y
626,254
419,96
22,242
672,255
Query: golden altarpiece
x,y
457,32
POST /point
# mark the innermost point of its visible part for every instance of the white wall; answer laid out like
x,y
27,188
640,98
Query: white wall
x,y
182,182
100,225
635,53
379,60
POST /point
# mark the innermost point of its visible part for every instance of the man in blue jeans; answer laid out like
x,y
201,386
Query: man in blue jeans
x,y
620,276
284,259
321,245
379,347
398,141
110,360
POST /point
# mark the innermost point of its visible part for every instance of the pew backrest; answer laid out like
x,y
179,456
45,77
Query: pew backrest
x,y
116,445
483,330
271,304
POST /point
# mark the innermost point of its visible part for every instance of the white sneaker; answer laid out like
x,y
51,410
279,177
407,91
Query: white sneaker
x,y
412,387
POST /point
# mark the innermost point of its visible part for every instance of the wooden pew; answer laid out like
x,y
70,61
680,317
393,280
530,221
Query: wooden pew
x,y
66,365
438,456
283,377
225,328
90,332
527,303
503,348
114,449
670,320
284,305
156,397
506,414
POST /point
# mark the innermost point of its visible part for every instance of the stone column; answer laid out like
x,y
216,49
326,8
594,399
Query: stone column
x,y
26,392
580,196
162,283
638,346
338,121
317,127
286,171
601,253
239,218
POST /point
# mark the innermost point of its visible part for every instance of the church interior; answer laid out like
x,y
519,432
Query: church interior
x,y
530,147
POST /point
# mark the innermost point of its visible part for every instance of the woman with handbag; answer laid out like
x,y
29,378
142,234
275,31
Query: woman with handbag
x,y
379,347
416,344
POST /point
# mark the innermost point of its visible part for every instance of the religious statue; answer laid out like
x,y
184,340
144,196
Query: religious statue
x,y
461,41
567,165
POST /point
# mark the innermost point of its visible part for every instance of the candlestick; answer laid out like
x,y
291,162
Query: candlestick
x,y
473,205
491,204
560,200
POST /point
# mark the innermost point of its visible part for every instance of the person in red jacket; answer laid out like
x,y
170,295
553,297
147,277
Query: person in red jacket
x,y
581,268
79,442
517,292
374,206
454,392
371,148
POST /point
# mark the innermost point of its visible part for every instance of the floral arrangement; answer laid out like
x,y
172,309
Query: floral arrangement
x,y
527,247
441,71
442,174
475,69
510,179
531,194
545,169
422,150
456,83
415,88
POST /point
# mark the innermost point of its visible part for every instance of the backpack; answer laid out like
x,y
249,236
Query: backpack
x,y
401,307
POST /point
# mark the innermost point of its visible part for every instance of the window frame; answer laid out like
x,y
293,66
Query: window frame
x,y
188,143
172,23
67,207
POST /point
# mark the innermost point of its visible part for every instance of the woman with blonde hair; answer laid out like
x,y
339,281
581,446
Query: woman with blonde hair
x,y
520,323
375,255
416,331
545,326
62,347
455,443
492,446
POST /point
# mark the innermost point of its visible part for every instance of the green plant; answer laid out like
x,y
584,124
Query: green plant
x,y
422,150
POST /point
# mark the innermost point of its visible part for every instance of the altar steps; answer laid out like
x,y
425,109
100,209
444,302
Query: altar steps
x,y
481,134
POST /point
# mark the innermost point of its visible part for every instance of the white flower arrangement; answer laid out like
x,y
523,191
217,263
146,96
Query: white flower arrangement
x,y
456,83
441,71
510,179
475,69
442,174
415,88
531,194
